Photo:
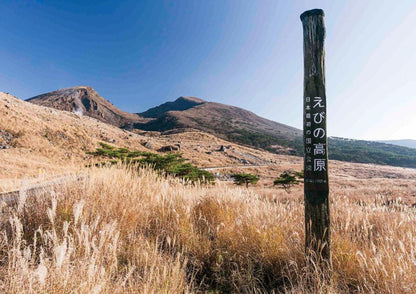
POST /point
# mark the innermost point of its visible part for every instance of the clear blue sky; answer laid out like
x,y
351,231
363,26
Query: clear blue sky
x,y
138,54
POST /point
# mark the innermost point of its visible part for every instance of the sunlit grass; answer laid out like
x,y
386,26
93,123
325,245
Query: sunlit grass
x,y
124,231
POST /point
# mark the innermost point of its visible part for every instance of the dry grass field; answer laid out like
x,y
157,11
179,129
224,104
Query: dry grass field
x,y
44,142
128,230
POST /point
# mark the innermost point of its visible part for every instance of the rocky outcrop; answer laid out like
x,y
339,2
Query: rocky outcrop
x,y
84,100
5,139
170,148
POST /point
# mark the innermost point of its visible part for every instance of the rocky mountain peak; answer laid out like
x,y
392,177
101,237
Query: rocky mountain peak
x,y
84,100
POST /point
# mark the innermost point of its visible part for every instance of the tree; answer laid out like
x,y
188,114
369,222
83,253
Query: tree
x,y
246,179
287,179
172,163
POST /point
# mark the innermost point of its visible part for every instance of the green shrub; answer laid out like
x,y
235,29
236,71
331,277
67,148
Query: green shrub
x,y
171,163
287,179
240,179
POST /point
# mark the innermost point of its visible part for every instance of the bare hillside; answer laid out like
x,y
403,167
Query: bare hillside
x,y
86,101
229,122
37,140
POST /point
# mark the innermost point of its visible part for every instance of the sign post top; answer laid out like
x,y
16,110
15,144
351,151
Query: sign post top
x,y
311,12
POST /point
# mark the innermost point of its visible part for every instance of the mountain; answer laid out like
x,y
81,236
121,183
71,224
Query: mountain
x,y
371,152
224,121
405,142
228,122
245,127
182,103
37,140
84,100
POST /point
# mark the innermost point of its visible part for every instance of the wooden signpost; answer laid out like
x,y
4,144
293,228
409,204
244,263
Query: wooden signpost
x,y
317,222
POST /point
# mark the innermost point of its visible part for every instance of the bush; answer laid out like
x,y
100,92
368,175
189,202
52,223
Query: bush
x,y
171,163
288,179
240,179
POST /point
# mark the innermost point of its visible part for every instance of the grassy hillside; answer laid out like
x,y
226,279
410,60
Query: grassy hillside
x,y
36,141
371,152
349,150
405,142
244,127
42,139
123,231
227,122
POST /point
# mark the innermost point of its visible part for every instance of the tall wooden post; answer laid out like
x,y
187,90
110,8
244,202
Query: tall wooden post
x,y
317,221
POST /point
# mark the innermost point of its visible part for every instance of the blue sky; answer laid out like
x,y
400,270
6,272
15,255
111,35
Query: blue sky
x,y
138,54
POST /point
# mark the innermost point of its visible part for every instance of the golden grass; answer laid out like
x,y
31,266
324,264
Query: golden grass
x,y
123,231
46,140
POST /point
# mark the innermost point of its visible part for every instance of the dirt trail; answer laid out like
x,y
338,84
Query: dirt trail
x,y
12,197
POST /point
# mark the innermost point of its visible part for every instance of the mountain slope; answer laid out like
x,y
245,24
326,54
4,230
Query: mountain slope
x,y
182,103
242,126
229,122
42,141
371,152
404,143
39,139
86,101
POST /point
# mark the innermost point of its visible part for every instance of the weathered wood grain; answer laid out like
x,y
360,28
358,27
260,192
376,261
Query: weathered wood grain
x,y
317,217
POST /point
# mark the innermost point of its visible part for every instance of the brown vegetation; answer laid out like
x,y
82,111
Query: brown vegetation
x,y
125,231
128,231
43,141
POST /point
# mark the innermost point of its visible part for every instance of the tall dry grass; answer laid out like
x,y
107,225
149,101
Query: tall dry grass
x,y
123,231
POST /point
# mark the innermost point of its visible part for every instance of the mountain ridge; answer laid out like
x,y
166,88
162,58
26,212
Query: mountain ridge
x,y
222,120
229,123
410,143
84,100
180,104
35,139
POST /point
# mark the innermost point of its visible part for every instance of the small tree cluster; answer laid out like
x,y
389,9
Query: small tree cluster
x,y
240,179
174,164
123,154
171,163
288,179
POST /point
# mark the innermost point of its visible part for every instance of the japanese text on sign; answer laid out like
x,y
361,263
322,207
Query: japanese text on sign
x,y
315,140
